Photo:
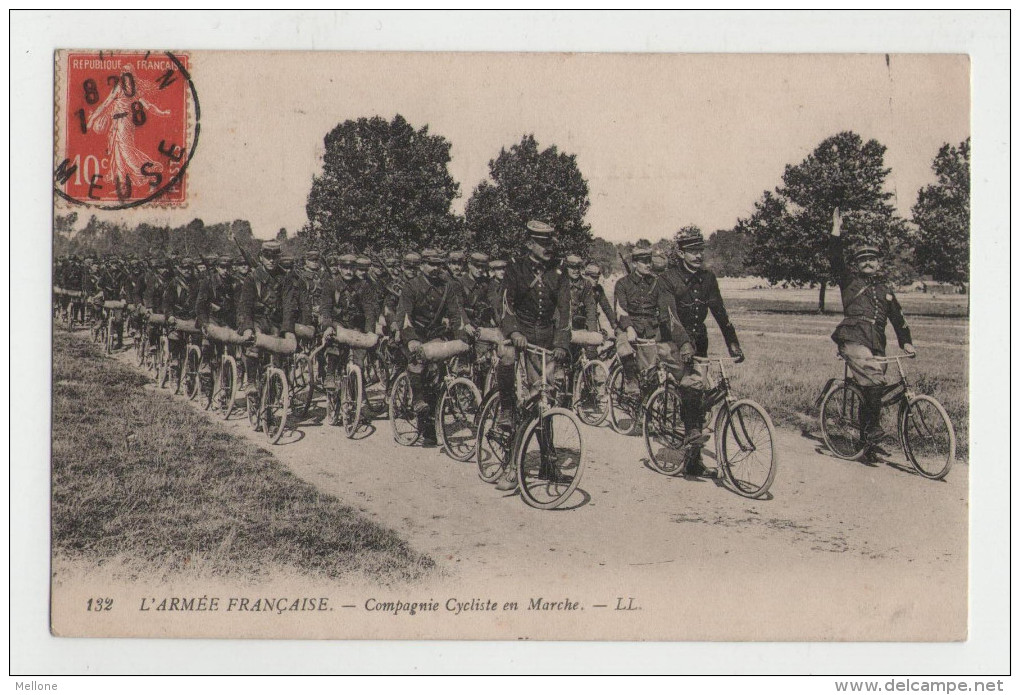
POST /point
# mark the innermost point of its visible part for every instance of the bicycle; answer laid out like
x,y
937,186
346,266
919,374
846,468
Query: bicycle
x,y
267,398
341,377
543,442
626,407
589,395
745,438
923,427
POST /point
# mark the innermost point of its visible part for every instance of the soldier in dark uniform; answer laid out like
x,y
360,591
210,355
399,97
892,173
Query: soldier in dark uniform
x,y
215,304
868,304
695,292
348,302
536,300
474,288
455,264
179,300
637,303
591,275
314,278
583,307
660,264
429,309
497,279
265,302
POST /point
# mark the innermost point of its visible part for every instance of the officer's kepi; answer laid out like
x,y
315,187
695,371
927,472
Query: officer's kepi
x,y
540,232
865,253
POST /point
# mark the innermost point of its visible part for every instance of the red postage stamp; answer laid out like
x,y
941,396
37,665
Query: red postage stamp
x,y
127,128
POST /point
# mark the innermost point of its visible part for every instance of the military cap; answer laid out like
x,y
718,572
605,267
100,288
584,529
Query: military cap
x,y
691,241
347,260
642,253
390,261
412,258
225,261
478,258
455,257
496,264
433,256
573,261
865,251
363,262
271,248
187,262
312,256
287,262
659,261
209,258
540,232
592,270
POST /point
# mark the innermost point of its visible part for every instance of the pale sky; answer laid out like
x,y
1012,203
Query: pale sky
x,y
663,140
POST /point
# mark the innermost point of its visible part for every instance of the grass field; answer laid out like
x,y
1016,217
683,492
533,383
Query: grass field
x,y
143,482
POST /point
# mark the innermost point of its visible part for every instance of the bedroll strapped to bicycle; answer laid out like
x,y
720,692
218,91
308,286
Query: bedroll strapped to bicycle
x,y
586,338
304,332
491,335
281,346
114,304
356,339
186,326
224,334
157,319
438,350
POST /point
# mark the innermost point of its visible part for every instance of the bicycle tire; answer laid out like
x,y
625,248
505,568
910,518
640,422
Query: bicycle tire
x,y
492,444
839,418
303,386
163,363
457,418
275,404
403,421
918,437
189,372
593,377
622,417
744,430
227,386
664,432
351,399
108,338
141,346
568,464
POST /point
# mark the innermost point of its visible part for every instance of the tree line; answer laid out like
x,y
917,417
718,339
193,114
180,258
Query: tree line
x,y
385,186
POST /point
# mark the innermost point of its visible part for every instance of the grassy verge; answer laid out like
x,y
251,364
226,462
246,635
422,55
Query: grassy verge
x,y
137,475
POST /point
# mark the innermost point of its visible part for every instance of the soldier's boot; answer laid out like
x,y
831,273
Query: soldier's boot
x,y
631,379
692,412
872,413
419,404
507,394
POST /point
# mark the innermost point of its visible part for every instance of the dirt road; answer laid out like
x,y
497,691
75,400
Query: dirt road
x,y
841,550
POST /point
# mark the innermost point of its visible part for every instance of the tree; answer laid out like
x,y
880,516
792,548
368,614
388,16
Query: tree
x,y
789,230
942,216
529,184
383,185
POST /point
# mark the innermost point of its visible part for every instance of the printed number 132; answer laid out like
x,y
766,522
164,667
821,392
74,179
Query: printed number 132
x,y
99,604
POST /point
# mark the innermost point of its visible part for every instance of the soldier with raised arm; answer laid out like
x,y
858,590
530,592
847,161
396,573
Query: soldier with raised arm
x,y
868,304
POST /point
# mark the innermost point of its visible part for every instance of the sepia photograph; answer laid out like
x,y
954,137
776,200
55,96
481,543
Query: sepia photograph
x,y
510,346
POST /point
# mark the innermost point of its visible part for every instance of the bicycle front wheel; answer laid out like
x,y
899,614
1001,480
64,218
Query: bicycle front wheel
x,y
350,400
745,447
401,411
928,438
303,386
275,404
591,393
456,418
492,441
840,420
189,375
227,388
550,459
664,432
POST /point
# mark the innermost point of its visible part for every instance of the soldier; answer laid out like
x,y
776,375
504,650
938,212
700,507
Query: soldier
x,y
455,264
497,279
265,302
314,278
695,292
475,291
429,309
536,300
179,300
583,308
868,303
215,303
637,301
591,275
349,302
660,264
362,266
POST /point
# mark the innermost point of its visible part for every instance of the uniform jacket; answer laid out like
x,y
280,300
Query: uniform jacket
x,y
637,297
583,307
696,293
868,303
265,300
352,304
429,309
536,299
177,298
215,301
475,301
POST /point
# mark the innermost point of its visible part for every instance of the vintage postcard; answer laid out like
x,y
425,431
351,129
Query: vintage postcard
x,y
507,346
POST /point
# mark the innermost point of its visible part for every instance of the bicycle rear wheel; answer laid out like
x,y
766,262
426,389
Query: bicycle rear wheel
x,y
664,432
163,363
190,382
275,404
351,400
623,406
456,418
745,448
840,420
591,393
492,441
928,438
550,459
303,386
401,412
